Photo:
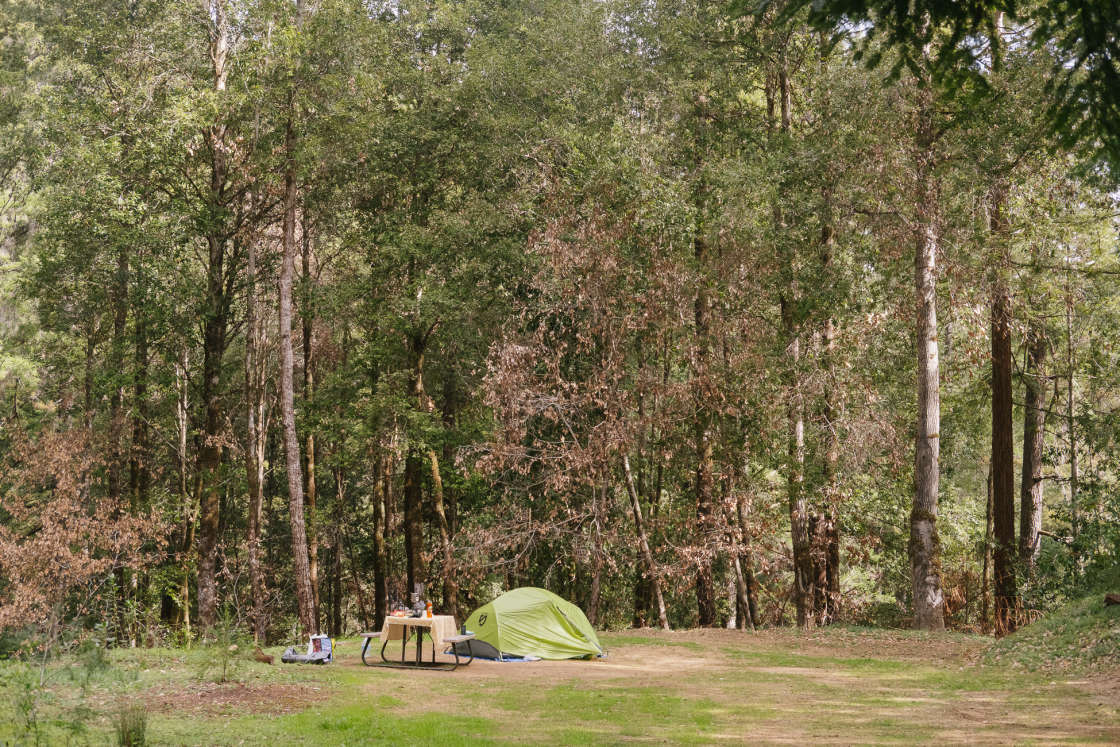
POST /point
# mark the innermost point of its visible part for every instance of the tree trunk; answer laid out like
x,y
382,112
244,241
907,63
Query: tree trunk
x,y
828,579
643,544
985,573
803,577
182,541
310,483
116,367
139,469
707,509
336,585
256,442
305,600
273,443
598,500
116,421
1034,429
140,475
832,601
746,561
596,576
215,327
210,452
359,593
925,545
380,531
1071,429
742,615
818,556
741,598
87,381
413,529
413,514
643,588
450,585
705,488
779,105
1003,449
336,621
452,402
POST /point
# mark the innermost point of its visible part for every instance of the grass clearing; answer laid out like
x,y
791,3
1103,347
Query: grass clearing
x,y
702,687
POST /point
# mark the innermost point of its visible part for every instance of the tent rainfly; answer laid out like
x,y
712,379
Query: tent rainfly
x,y
531,622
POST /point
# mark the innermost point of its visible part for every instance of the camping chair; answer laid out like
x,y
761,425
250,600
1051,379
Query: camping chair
x,y
320,650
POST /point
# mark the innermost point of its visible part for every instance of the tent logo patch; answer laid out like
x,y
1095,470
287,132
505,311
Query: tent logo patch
x,y
482,619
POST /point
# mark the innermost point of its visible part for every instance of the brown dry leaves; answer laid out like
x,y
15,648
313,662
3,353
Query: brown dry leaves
x,y
60,538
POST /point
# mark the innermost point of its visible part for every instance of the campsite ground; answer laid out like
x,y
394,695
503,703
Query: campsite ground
x,y
841,685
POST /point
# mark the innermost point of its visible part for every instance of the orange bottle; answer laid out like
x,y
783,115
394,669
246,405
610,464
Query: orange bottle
x,y
429,609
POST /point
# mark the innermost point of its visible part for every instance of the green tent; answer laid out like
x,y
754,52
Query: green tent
x,y
531,622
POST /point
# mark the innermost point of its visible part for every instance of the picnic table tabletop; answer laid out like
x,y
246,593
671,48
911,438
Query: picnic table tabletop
x,y
439,628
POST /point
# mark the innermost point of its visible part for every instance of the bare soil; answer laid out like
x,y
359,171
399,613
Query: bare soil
x,y
211,698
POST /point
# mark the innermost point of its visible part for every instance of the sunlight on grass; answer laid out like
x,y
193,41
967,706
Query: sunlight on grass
x,y
616,639
1082,635
713,688
365,723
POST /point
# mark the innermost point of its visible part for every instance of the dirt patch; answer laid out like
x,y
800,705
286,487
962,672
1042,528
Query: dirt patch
x,y
211,698
1105,689
641,665
627,661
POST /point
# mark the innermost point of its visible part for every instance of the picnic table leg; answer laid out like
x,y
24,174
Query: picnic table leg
x,y
416,660
455,653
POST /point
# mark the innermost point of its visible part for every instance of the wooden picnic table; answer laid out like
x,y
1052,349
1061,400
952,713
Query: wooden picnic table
x,y
440,630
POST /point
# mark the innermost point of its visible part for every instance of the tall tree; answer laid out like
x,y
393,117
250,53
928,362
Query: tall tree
x,y
1003,449
1034,434
305,595
256,436
925,545
311,489
216,318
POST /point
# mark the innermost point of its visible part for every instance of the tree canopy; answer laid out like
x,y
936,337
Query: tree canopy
x,y
678,309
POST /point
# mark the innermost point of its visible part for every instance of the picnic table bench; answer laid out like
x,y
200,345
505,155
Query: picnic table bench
x,y
440,630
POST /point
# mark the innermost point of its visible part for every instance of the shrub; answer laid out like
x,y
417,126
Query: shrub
x,y
132,726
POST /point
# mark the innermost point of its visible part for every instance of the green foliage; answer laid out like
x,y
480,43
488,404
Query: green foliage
x,y
1083,635
224,650
49,696
21,688
1083,86
132,726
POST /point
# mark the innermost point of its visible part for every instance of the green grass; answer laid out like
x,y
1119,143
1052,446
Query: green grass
x,y
617,639
356,723
642,707
1083,635
857,686
792,660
